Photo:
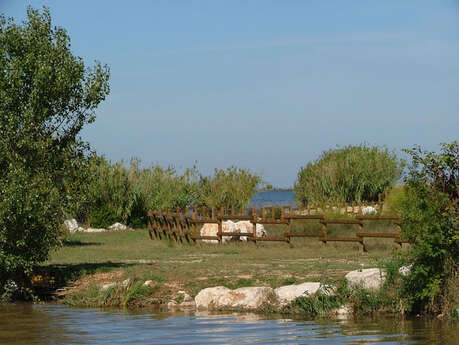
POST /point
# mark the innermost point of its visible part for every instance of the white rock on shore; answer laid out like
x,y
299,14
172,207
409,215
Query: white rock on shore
x,y
288,293
369,278
220,297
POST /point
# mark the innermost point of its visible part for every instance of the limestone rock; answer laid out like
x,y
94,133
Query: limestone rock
x,y
220,297
288,293
117,227
72,225
405,270
369,278
105,287
149,283
210,229
245,298
94,230
246,226
207,298
368,210
126,283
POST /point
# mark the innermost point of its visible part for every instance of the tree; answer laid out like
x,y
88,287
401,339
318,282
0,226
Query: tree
x,y
429,205
47,96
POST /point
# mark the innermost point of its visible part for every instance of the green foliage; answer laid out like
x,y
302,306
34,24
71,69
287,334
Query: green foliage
x,y
350,174
429,204
230,187
47,95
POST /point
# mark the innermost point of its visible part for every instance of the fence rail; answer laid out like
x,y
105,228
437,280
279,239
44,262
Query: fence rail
x,y
185,225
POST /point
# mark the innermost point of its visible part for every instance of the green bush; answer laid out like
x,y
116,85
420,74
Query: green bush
x,y
230,187
46,97
351,174
429,204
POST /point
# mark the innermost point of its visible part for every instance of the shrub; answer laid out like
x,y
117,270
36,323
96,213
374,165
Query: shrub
x,y
350,174
227,188
429,204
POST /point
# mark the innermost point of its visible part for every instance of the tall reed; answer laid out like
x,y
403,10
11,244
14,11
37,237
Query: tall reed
x,y
351,174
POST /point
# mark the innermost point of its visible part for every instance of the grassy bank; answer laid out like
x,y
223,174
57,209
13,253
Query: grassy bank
x,y
87,261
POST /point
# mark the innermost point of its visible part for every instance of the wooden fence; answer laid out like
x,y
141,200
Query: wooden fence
x,y
185,225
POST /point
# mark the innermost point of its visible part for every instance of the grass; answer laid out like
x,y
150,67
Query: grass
x,y
88,260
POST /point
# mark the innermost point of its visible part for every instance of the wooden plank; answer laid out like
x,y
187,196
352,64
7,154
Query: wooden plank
x,y
277,239
341,221
377,217
194,237
340,239
304,234
376,234
230,217
270,221
297,216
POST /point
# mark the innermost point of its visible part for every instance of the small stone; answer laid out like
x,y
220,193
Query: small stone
x,y
405,270
117,227
187,298
105,287
126,283
149,283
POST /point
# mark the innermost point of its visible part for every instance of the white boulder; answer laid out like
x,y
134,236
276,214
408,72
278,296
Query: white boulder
x,y
211,229
207,298
72,225
220,297
368,210
369,278
288,293
117,227
246,226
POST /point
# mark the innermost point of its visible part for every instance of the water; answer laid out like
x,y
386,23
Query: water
x,y
284,198
56,324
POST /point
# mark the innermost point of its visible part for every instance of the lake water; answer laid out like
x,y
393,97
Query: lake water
x,y
284,198
56,324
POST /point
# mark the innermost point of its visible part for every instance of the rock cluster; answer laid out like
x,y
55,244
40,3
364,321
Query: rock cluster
x,y
73,227
211,229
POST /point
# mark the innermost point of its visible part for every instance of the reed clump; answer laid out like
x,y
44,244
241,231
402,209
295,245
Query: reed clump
x,y
349,174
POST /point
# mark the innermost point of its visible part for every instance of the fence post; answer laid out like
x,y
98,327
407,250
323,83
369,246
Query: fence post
x,y
324,230
254,226
287,231
361,243
220,225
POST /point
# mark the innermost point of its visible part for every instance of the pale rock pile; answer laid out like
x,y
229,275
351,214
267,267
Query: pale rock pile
x,y
73,227
211,229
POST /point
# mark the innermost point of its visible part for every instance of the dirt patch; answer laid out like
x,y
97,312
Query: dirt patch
x,y
92,279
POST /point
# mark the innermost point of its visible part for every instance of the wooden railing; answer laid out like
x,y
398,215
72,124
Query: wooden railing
x,y
185,225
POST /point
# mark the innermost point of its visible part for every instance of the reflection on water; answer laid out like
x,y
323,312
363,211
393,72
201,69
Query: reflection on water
x,y
55,324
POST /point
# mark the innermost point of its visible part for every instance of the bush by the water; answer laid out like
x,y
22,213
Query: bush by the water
x,y
428,202
47,95
125,193
351,174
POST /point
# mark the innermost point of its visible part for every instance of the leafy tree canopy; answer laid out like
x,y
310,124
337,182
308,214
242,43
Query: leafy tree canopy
x,y
47,96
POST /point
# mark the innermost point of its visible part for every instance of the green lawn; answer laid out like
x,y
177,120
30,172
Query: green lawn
x,y
92,259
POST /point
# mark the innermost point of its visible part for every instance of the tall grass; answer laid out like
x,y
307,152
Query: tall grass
x,y
125,192
351,174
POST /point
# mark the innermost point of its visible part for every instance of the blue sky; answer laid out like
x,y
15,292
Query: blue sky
x,y
265,85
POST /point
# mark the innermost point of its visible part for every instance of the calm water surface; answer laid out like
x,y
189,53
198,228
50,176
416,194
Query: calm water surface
x,y
261,199
56,324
